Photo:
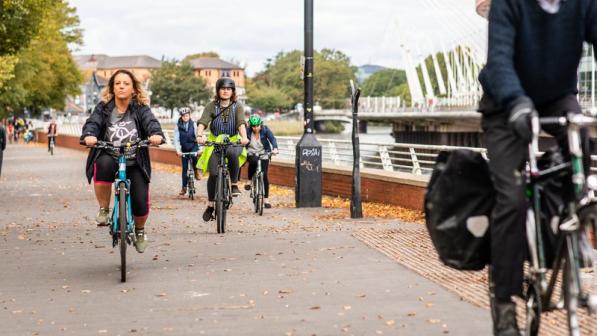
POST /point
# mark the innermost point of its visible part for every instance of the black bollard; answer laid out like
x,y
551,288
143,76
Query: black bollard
x,y
356,208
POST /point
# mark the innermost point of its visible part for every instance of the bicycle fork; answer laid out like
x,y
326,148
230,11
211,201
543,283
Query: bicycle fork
x,y
115,211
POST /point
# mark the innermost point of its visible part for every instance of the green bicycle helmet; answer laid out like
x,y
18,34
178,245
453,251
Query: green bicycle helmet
x,y
255,120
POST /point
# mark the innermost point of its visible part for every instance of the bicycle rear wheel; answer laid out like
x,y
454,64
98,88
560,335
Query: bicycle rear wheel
x,y
571,286
122,223
52,148
533,309
220,206
260,195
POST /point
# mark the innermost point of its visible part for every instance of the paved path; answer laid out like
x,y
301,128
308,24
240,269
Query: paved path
x,y
286,273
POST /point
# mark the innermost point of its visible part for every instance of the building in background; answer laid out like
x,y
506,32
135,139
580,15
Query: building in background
x,y
586,78
97,69
212,68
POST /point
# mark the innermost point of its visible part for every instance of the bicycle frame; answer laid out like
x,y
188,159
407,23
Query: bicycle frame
x,y
127,183
190,172
259,171
572,224
567,253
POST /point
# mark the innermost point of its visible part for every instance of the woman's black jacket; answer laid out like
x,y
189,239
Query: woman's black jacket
x,y
146,123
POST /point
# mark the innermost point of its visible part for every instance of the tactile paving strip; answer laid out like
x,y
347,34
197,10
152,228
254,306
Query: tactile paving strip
x,y
412,248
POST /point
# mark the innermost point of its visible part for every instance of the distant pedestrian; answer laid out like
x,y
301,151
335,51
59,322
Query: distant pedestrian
x,y
52,132
2,144
10,132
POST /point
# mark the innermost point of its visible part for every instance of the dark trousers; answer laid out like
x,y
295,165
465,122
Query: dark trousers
x,y
252,159
1,157
507,158
104,172
185,167
51,136
232,154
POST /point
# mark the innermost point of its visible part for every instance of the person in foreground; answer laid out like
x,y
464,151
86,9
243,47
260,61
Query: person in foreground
x,y
225,117
534,51
122,115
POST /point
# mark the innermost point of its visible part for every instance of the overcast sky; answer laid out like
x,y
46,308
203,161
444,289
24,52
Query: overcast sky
x,y
251,31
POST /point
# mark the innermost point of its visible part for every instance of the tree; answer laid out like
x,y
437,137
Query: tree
x,y
333,73
383,82
45,72
269,99
207,54
174,85
19,22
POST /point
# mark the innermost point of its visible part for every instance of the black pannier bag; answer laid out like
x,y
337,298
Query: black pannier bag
x,y
458,203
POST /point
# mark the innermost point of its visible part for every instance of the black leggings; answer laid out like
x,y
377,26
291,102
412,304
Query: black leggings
x,y
105,169
232,154
51,136
252,159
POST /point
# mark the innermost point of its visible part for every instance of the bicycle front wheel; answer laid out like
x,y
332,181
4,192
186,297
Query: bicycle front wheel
x,y
122,223
220,206
52,148
260,195
254,193
571,286
191,187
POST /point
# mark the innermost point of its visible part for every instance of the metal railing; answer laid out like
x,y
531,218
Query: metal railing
x,y
410,158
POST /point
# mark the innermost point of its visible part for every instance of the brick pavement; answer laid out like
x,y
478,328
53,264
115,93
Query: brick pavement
x,y
412,247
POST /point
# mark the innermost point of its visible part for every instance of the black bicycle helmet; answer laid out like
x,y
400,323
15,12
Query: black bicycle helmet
x,y
225,82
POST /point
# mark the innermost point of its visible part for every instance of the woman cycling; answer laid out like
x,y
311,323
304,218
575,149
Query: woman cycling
x,y
122,115
225,117
185,141
261,141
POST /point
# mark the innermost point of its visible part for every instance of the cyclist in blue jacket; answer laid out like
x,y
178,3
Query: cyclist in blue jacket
x,y
185,141
261,141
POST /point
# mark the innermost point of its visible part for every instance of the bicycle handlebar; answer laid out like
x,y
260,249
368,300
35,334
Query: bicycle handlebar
x,y
222,144
118,145
266,154
190,154
576,119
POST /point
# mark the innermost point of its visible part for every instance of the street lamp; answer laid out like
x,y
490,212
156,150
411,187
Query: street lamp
x,y
308,150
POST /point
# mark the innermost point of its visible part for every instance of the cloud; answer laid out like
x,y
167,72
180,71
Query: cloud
x,y
252,31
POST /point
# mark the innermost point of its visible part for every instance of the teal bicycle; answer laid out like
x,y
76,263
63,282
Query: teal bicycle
x,y
122,226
